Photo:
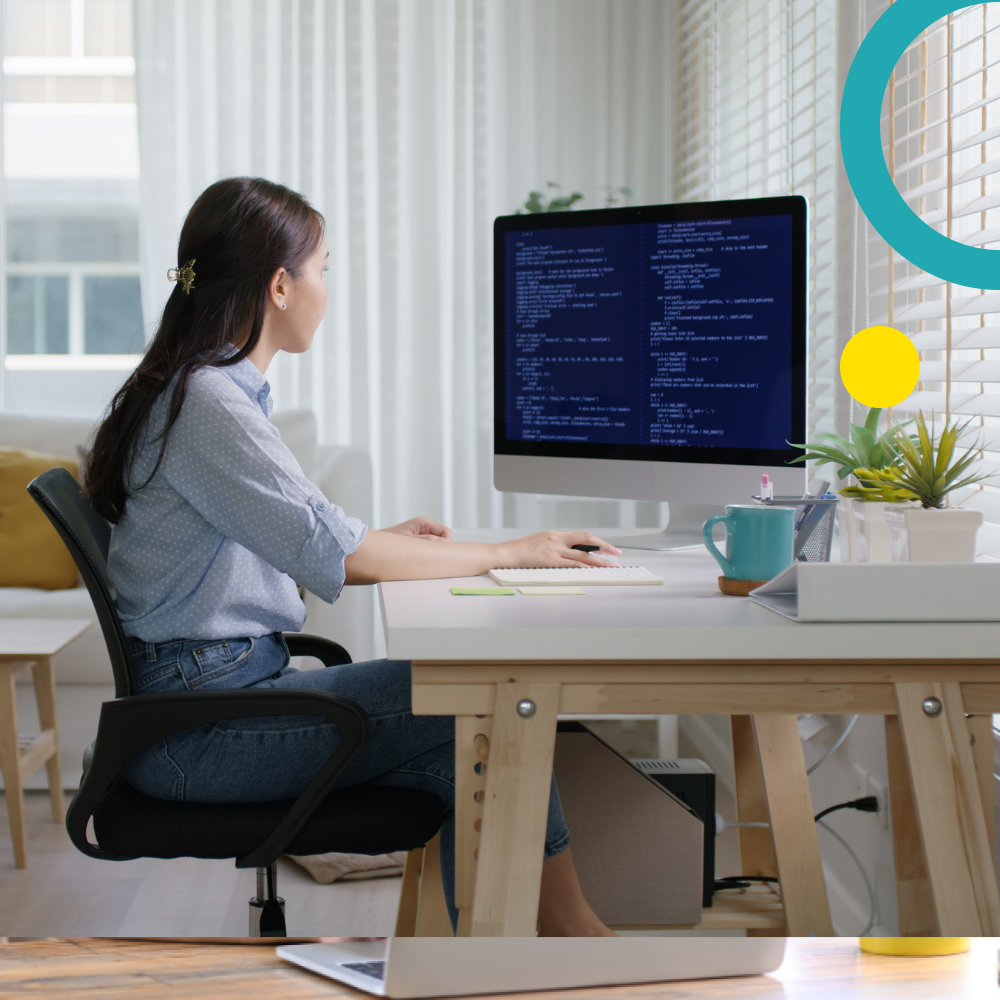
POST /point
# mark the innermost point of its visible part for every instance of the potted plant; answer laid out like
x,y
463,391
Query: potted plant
x,y
926,530
863,524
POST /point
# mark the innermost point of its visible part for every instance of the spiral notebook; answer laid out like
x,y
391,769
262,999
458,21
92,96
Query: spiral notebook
x,y
578,576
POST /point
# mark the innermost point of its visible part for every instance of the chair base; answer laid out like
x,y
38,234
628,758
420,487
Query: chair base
x,y
267,909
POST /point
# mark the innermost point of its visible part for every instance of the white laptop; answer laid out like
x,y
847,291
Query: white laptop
x,y
448,967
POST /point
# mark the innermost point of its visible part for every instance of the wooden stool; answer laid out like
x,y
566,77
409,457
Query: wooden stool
x,y
31,643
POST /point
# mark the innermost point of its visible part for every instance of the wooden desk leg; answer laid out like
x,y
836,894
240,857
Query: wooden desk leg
x,y
409,895
472,750
913,888
45,697
796,844
756,845
10,764
432,912
981,734
949,810
511,848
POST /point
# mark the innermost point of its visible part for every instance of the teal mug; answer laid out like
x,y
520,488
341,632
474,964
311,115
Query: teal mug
x,y
760,541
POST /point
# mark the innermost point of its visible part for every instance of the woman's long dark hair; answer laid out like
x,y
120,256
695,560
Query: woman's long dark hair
x,y
239,232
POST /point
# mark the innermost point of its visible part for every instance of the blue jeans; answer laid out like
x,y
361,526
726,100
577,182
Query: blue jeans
x,y
273,758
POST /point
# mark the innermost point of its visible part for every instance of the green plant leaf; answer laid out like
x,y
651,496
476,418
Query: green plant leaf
x,y
864,441
871,421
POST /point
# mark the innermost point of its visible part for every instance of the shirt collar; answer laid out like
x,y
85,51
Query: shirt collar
x,y
251,380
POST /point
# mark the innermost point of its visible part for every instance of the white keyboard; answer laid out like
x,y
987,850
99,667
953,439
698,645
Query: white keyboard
x,y
578,576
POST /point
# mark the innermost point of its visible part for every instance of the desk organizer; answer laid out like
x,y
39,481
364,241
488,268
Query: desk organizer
x,y
814,519
884,592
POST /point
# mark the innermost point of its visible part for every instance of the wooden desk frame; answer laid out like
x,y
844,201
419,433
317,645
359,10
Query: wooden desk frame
x,y
940,771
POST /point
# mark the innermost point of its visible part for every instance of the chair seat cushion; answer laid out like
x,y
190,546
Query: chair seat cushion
x,y
366,819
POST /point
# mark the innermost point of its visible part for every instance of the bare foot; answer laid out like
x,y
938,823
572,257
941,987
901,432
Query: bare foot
x,y
562,909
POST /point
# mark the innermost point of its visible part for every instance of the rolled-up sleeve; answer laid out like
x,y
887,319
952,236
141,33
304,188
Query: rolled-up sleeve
x,y
228,461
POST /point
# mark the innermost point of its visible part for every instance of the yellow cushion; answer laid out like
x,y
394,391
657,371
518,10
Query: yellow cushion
x,y
31,553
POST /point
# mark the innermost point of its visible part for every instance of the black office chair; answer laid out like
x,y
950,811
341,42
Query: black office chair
x,y
366,819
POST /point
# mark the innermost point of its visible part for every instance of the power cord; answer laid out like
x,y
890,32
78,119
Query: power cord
x,y
867,803
868,885
740,881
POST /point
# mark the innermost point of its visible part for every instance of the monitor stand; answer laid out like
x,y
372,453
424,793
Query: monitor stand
x,y
683,529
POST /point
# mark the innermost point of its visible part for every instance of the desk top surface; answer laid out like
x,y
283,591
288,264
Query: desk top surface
x,y
28,637
814,969
686,619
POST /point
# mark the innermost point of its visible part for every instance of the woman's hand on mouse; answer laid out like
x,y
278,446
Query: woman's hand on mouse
x,y
555,548
422,527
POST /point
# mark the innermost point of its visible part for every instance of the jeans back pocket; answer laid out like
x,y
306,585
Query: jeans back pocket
x,y
215,660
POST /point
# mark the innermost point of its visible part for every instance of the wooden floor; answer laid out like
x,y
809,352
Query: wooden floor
x,y
63,893
814,969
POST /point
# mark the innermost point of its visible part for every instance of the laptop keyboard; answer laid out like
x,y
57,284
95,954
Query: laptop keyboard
x,y
374,969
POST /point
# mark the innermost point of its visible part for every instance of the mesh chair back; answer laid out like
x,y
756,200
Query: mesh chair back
x,y
87,536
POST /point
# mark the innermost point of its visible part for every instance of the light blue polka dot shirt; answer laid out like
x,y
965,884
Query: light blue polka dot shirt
x,y
214,546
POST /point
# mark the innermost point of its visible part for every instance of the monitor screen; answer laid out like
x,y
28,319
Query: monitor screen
x,y
672,333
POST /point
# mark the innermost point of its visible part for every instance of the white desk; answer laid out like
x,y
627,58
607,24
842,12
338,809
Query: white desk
x,y
686,648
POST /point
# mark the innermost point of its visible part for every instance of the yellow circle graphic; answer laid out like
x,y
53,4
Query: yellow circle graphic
x,y
880,366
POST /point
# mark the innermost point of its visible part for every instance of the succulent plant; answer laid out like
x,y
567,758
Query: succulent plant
x,y
863,451
925,470
538,202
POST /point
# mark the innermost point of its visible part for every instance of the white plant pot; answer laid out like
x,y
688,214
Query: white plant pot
x,y
848,531
948,535
872,543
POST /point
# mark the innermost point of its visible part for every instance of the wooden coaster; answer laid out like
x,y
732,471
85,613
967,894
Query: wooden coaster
x,y
738,588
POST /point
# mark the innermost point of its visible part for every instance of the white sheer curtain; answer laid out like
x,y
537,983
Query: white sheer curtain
x,y
410,124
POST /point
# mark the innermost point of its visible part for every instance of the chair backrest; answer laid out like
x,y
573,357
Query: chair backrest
x,y
87,536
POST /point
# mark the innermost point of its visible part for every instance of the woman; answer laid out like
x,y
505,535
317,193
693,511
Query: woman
x,y
215,525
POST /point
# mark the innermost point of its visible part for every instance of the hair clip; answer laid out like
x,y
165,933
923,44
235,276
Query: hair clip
x,y
184,275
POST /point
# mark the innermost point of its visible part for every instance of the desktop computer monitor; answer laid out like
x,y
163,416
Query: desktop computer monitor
x,y
652,353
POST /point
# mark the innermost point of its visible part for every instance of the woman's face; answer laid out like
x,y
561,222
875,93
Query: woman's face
x,y
305,300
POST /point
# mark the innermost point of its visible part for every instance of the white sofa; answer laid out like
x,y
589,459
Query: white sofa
x,y
83,670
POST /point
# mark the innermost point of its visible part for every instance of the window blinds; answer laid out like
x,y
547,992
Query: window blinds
x,y
941,138
756,118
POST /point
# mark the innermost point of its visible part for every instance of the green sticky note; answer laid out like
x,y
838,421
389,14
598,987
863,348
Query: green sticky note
x,y
483,591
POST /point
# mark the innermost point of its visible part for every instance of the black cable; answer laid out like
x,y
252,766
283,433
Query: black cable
x,y
740,881
868,804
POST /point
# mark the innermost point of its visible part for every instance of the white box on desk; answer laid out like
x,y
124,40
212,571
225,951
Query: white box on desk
x,y
885,592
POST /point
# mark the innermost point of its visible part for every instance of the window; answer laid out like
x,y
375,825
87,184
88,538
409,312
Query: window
x,y
71,171
756,119
941,139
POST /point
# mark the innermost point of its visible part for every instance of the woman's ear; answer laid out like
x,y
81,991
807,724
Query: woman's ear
x,y
279,289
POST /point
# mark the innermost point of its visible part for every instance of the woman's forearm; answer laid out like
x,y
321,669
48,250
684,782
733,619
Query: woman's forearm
x,y
391,555
386,555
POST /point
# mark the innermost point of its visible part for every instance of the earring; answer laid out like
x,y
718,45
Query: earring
x,y
284,306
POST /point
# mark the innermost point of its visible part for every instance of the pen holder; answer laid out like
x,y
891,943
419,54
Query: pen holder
x,y
814,520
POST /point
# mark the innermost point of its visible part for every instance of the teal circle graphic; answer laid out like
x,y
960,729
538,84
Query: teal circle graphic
x,y
861,146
